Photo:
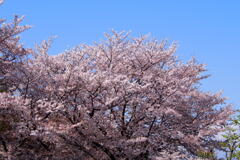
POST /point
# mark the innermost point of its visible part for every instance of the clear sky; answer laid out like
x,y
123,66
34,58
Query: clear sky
x,y
206,29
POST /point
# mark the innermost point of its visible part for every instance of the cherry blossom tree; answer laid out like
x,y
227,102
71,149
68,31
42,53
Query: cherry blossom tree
x,y
13,111
122,98
12,52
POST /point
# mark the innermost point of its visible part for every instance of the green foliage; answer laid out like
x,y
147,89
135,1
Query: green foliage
x,y
206,155
3,86
231,144
2,89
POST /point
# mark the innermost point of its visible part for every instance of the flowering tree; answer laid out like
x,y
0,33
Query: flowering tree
x,y
12,52
120,99
13,111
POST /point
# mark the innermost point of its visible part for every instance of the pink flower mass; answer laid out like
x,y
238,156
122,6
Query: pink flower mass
x,y
123,98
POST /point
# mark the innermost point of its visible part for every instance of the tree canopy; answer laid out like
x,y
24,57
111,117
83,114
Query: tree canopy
x,y
122,98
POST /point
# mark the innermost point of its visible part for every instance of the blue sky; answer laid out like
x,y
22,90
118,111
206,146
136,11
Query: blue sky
x,y
206,29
